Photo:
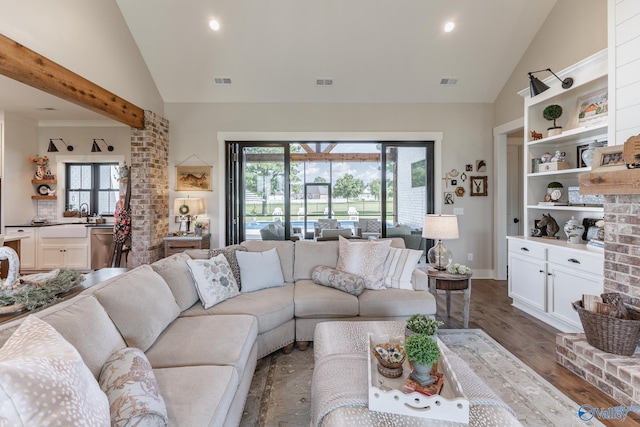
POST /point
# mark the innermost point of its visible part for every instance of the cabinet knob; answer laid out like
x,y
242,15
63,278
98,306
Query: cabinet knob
x,y
541,271
573,260
524,249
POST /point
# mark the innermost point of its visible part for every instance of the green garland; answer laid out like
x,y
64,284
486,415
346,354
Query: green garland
x,y
42,297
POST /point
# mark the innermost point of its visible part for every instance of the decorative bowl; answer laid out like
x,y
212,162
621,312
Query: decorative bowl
x,y
389,355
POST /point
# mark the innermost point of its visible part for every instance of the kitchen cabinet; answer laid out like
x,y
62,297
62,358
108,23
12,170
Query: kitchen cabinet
x,y
545,278
27,246
63,246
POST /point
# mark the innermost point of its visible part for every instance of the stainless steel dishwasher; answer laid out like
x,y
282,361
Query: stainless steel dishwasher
x,y
101,246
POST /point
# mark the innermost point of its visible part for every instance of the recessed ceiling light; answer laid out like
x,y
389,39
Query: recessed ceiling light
x,y
449,26
214,25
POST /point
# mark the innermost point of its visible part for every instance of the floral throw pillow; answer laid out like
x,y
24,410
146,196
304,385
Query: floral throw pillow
x,y
365,259
344,281
214,280
134,396
43,381
229,253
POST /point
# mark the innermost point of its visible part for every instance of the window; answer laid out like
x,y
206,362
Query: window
x,y
92,186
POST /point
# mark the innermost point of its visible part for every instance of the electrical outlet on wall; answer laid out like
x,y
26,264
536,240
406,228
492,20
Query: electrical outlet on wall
x,y
470,256
458,211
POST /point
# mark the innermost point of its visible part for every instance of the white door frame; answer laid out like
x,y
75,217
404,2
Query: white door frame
x,y
500,200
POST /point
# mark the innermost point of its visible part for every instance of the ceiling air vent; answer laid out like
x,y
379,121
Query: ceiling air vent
x,y
222,80
324,82
448,81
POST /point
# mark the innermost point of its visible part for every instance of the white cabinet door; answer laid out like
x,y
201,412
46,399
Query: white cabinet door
x,y
50,257
27,246
527,281
566,285
77,256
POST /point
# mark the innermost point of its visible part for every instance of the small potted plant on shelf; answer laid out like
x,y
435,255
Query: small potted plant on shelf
x,y
552,112
423,352
422,324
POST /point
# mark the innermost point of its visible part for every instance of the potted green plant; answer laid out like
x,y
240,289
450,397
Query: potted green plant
x,y
552,112
422,324
197,227
423,352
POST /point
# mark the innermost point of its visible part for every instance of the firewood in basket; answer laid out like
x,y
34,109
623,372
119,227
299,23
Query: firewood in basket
x,y
617,311
589,302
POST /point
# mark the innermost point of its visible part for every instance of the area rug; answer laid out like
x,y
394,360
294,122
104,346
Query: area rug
x,y
280,393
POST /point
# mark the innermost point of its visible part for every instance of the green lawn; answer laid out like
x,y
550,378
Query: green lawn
x,y
316,209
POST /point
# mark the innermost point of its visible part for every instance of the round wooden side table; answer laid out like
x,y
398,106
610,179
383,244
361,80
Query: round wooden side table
x,y
441,280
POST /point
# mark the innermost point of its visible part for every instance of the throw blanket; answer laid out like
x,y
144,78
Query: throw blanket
x,y
341,398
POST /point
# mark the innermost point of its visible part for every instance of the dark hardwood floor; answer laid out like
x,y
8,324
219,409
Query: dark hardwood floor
x,y
531,340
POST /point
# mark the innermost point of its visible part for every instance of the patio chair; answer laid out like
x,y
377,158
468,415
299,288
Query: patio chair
x,y
353,214
277,214
300,214
369,228
325,224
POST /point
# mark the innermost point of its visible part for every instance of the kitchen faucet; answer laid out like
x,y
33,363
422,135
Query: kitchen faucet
x,y
80,212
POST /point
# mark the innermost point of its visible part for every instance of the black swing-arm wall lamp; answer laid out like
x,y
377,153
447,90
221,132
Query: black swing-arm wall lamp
x,y
95,148
52,147
536,86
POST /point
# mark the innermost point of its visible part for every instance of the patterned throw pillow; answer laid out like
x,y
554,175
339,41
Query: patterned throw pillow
x,y
365,259
373,227
399,266
214,280
134,396
344,281
229,253
43,381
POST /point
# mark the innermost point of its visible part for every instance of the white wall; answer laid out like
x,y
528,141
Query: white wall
x,y
624,70
88,37
467,130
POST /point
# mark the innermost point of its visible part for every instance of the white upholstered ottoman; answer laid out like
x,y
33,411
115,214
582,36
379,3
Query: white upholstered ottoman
x,y
339,390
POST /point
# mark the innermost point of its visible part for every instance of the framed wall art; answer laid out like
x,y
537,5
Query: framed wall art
x,y
478,186
448,198
591,109
193,178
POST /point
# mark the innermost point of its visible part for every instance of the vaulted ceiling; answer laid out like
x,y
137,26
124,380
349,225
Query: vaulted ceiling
x,y
274,51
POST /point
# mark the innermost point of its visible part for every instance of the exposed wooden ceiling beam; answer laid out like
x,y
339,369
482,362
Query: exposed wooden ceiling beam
x,y
307,148
329,148
21,63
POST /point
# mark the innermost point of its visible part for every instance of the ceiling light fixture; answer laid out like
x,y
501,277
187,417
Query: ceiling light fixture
x,y
95,148
536,87
449,26
214,24
52,147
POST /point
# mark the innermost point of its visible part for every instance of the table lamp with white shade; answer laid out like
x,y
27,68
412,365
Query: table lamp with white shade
x,y
187,208
440,227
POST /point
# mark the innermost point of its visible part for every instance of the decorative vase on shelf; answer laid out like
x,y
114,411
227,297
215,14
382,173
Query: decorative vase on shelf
x,y
574,230
40,172
546,157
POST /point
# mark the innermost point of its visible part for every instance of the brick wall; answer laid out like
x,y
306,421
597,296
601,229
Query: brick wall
x,y
618,376
149,189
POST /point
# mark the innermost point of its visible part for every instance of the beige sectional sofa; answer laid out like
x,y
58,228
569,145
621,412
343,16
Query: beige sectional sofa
x,y
204,360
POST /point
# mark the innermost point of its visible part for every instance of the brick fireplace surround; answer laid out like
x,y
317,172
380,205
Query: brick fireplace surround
x,y
618,376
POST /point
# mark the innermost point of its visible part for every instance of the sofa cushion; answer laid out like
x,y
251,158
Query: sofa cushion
x,y
309,254
214,280
285,253
43,381
313,300
365,259
395,303
260,270
197,395
206,340
140,304
398,267
229,253
80,323
272,307
175,272
346,282
131,387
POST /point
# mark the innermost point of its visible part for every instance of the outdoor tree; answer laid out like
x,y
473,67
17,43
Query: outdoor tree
x,y
348,187
319,180
375,186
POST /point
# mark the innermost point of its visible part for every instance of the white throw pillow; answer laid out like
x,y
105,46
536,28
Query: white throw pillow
x,y
260,270
399,266
134,396
365,259
43,381
214,279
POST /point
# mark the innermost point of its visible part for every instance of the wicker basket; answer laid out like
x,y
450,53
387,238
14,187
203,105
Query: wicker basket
x,y
607,333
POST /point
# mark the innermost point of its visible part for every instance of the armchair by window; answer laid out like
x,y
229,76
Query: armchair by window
x,y
324,224
369,228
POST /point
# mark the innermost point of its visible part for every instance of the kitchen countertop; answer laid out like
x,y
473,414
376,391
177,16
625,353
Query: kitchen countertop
x,y
50,224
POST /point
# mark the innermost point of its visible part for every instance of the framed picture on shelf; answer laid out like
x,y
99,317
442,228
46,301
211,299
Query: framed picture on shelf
x,y
591,109
478,186
606,159
580,149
